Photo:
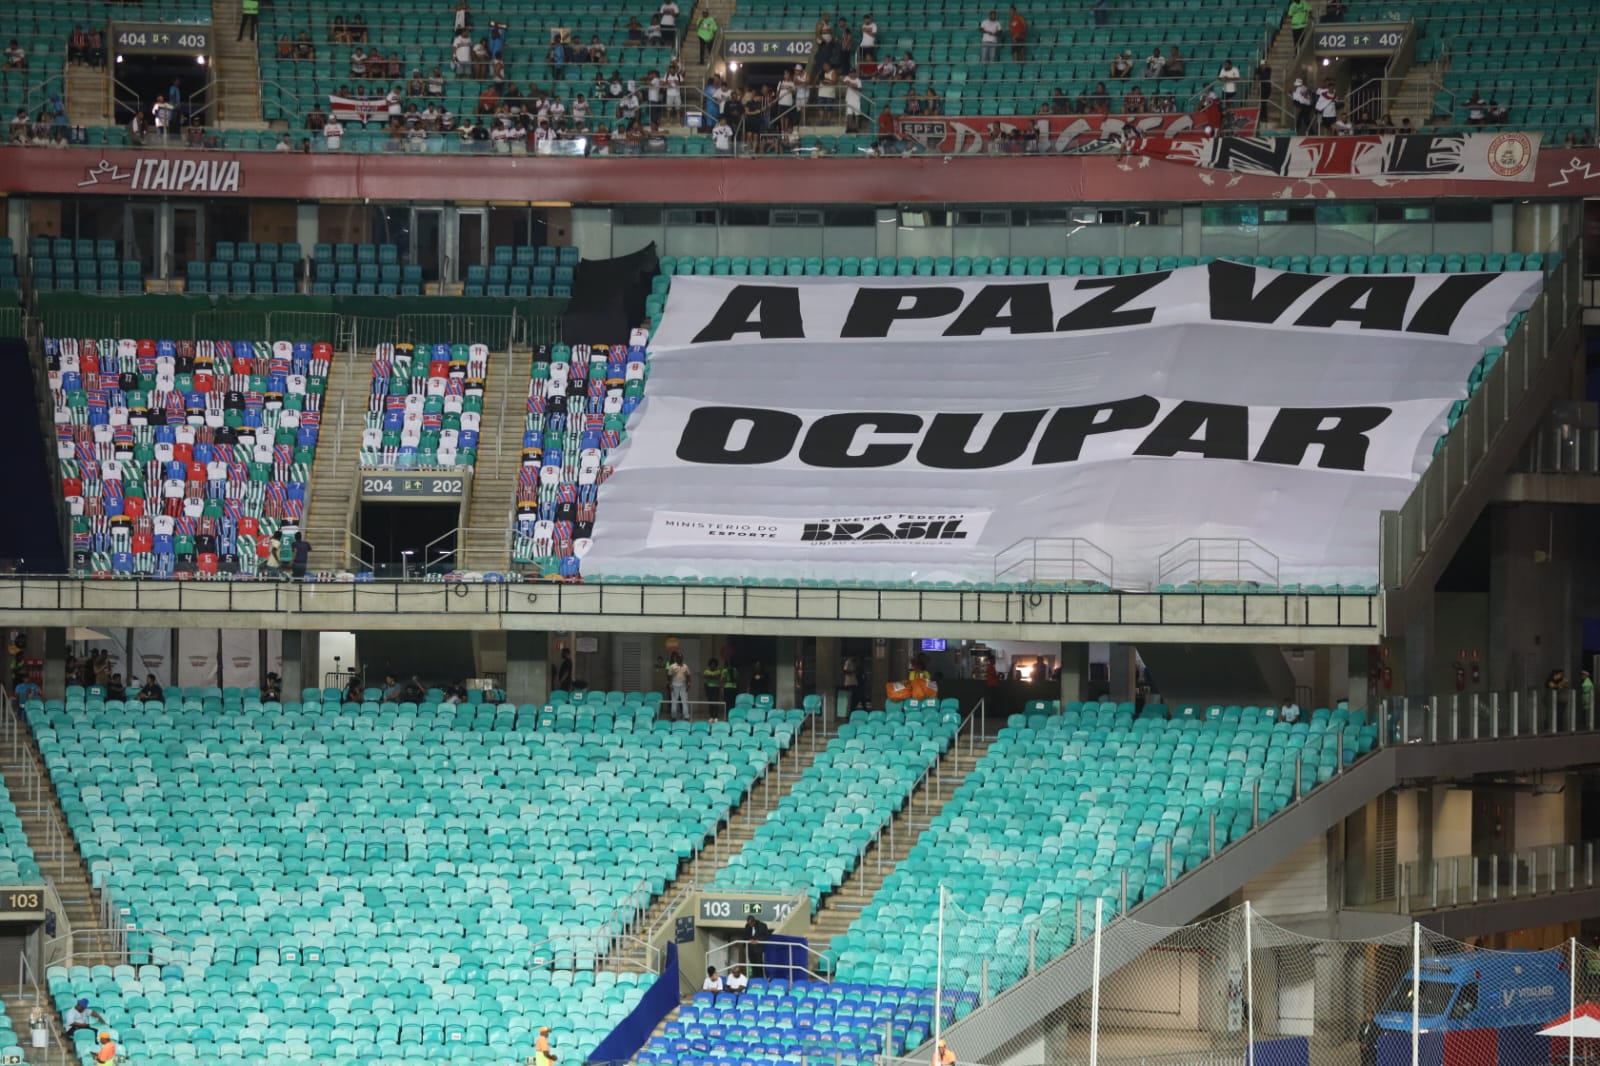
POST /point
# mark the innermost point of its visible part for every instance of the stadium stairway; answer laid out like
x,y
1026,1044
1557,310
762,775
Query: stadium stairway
x,y
695,73
89,95
843,906
988,1029
237,71
337,468
46,827
765,795
485,543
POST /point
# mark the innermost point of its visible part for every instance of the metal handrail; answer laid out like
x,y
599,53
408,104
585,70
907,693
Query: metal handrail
x,y
1407,534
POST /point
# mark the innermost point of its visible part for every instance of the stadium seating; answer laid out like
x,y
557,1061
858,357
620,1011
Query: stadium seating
x,y
524,270
8,266
1062,805
564,447
778,1021
263,268
419,32
1066,48
408,877
424,412
1537,57
63,265
814,837
183,459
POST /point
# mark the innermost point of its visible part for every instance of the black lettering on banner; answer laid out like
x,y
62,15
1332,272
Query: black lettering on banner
x,y
1252,155
877,309
771,312
1423,154
1210,430
831,440
1340,431
769,435
1438,312
1063,437
1028,306
1105,311
1370,302
1233,295
947,445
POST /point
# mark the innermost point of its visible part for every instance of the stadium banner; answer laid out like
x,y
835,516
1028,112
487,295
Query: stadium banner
x,y
1505,156
362,109
241,658
906,427
197,658
151,654
970,134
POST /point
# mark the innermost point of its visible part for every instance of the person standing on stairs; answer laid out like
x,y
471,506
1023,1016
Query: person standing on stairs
x,y
249,18
706,29
756,934
1299,18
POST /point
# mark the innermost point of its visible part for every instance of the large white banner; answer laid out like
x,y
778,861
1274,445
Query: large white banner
x,y
917,428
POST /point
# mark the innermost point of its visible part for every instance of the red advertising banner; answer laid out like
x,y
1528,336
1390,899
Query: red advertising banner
x,y
1124,176
1501,156
971,134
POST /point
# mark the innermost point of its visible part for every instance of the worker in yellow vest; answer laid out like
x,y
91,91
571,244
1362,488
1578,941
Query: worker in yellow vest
x,y
249,16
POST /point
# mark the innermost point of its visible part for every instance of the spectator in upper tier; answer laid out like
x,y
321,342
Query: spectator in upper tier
x,y
652,35
706,30
1304,106
869,39
461,54
1018,27
1228,77
480,59
556,57
1134,102
722,136
1263,77
1176,67
435,85
1122,65
358,62
989,38
667,16
338,32
462,15
1155,65
16,56
303,48
358,29
1477,110
95,56
77,45
1299,19
316,118
19,127
333,134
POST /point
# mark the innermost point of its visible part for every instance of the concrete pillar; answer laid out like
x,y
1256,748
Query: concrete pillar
x,y
1124,668
301,670
527,666
826,683
785,693
1425,815
55,664
1074,672
1356,680
882,672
